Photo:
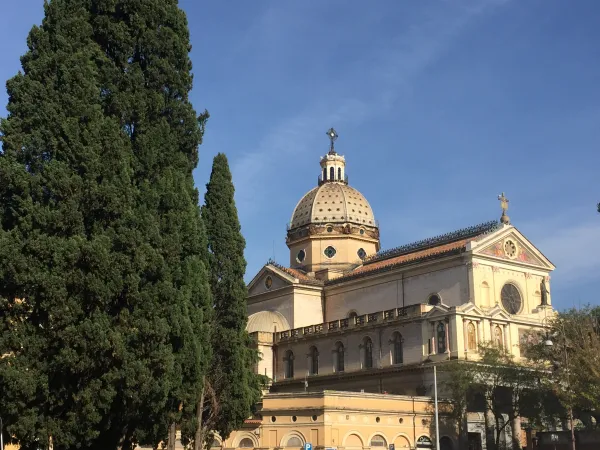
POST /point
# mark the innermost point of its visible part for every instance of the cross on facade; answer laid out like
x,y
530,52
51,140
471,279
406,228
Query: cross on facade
x,y
504,205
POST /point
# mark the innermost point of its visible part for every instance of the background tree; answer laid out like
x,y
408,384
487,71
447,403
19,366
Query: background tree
x,y
232,375
102,291
573,360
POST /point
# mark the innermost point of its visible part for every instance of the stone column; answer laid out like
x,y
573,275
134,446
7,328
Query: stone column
x,y
480,336
465,335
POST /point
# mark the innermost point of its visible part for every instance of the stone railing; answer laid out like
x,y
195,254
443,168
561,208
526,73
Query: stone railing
x,y
380,317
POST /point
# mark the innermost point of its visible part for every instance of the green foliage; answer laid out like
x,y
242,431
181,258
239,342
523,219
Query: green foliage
x,y
232,370
102,279
498,384
573,359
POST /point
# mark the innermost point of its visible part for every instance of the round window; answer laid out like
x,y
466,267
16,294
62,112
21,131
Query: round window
x,y
330,252
329,229
434,300
268,282
362,231
361,253
301,256
510,249
511,298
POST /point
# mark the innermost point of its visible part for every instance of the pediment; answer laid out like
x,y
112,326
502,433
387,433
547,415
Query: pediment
x,y
438,311
470,308
278,279
498,313
510,245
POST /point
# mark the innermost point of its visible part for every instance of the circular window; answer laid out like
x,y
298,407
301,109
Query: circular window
x,y
400,420
330,252
329,229
362,231
273,419
361,253
377,419
314,418
434,300
268,282
294,418
511,298
301,255
510,249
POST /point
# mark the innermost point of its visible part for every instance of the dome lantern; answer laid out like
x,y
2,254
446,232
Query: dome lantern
x,y
333,225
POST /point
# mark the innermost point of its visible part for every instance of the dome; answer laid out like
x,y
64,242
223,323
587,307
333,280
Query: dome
x,y
267,321
333,202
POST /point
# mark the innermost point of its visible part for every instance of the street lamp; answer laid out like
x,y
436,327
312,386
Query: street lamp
x,y
549,344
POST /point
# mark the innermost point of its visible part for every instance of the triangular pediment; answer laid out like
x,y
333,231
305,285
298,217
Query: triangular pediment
x,y
510,245
437,311
498,313
269,278
471,309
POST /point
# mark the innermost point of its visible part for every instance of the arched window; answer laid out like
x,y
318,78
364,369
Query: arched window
x,y
498,337
294,441
441,337
339,174
368,345
331,173
324,173
289,364
352,316
246,443
314,361
378,441
339,351
471,337
397,355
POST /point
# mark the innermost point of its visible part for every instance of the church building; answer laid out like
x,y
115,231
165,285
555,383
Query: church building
x,y
348,333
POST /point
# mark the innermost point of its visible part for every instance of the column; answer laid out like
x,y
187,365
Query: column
x,y
505,332
480,336
465,336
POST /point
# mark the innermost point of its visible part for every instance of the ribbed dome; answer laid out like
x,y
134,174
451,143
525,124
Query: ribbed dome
x,y
333,203
267,321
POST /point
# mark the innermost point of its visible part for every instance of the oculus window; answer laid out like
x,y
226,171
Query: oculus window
x,y
511,298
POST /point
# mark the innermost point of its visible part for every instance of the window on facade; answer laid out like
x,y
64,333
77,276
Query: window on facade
x,y
368,344
471,337
397,355
246,443
441,338
378,441
352,316
498,336
294,441
434,300
314,361
339,350
289,364
339,173
324,174
331,173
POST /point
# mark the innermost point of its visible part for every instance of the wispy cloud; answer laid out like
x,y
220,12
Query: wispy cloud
x,y
387,74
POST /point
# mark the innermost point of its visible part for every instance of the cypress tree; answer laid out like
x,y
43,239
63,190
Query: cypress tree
x,y
103,286
231,375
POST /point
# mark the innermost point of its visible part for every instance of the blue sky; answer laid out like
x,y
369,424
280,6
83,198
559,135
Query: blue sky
x,y
440,106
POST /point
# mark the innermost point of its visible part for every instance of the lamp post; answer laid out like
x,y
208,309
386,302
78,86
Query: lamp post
x,y
1,434
549,343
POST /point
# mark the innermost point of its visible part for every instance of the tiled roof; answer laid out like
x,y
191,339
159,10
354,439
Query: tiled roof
x,y
443,245
296,273
463,233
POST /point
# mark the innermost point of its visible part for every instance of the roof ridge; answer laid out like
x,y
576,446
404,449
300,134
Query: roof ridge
x,y
289,270
463,233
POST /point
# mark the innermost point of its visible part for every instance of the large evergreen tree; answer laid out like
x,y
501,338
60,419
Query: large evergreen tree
x,y
102,279
231,376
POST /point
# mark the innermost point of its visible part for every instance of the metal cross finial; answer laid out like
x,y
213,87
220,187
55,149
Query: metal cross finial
x,y
504,205
332,137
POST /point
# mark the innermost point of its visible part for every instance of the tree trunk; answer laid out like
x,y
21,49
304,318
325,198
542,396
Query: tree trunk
x,y
172,437
199,437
